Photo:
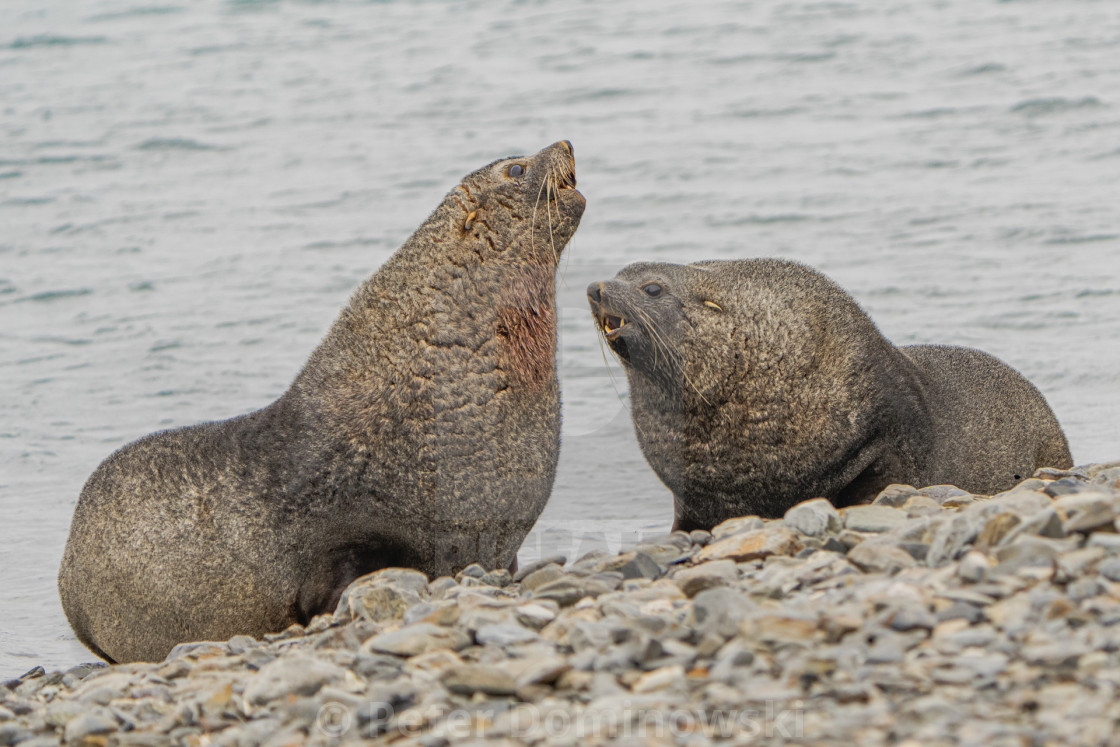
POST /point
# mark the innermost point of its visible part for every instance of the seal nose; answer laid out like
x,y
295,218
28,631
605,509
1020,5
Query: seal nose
x,y
568,145
595,292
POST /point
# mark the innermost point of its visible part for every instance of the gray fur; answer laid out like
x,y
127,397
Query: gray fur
x,y
423,432
788,391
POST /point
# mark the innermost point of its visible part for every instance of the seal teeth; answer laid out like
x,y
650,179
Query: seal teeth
x,y
612,324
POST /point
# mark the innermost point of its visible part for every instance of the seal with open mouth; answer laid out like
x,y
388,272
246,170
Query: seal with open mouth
x,y
423,432
757,384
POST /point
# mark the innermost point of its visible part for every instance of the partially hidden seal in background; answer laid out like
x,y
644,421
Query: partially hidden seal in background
x,y
423,432
757,384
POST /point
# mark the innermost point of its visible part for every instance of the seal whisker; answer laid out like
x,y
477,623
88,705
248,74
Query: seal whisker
x,y
610,373
658,338
533,220
674,355
553,189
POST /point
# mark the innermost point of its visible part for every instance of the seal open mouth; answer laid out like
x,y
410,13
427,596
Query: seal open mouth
x,y
568,179
612,325
562,176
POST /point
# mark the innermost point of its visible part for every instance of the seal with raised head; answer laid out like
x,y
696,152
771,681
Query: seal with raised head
x,y
423,432
757,384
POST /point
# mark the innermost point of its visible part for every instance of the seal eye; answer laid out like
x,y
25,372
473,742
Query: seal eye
x,y
652,290
516,170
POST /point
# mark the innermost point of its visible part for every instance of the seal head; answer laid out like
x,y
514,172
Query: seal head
x,y
757,384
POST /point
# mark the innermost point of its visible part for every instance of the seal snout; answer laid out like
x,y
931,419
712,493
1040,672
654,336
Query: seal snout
x,y
563,171
595,293
611,324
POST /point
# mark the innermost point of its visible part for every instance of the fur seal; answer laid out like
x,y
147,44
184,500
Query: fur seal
x,y
757,384
423,432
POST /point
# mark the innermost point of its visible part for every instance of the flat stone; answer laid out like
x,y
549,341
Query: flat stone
x,y
912,617
535,616
536,565
569,589
1087,511
1025,551
1107,540
296,674
873,518
439,587
597,636
880,557
401,578
474,570
779,626
89,724
1045,523
974,567
737,525
1110,568
379,603
1077,562
382,595
200,649
504,634
814,517
1065,486
499,577
417,639
58,714
541,576
639,565
700,536
753,545
663,554
997,528
467,679
970,613
659,679
71,677
951,537
1054,655
919,551
942,493
541,671
13,733
895,495
708,575
887,649
921,505
719,610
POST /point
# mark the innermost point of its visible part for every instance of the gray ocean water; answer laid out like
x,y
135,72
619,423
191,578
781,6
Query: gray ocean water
x,y
189,192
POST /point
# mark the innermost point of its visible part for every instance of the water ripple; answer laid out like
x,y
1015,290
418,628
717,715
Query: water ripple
x,y
55,295
176,143
52,40
1055,105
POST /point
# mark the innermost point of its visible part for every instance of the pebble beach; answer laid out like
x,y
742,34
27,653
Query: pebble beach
x,y
931,616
